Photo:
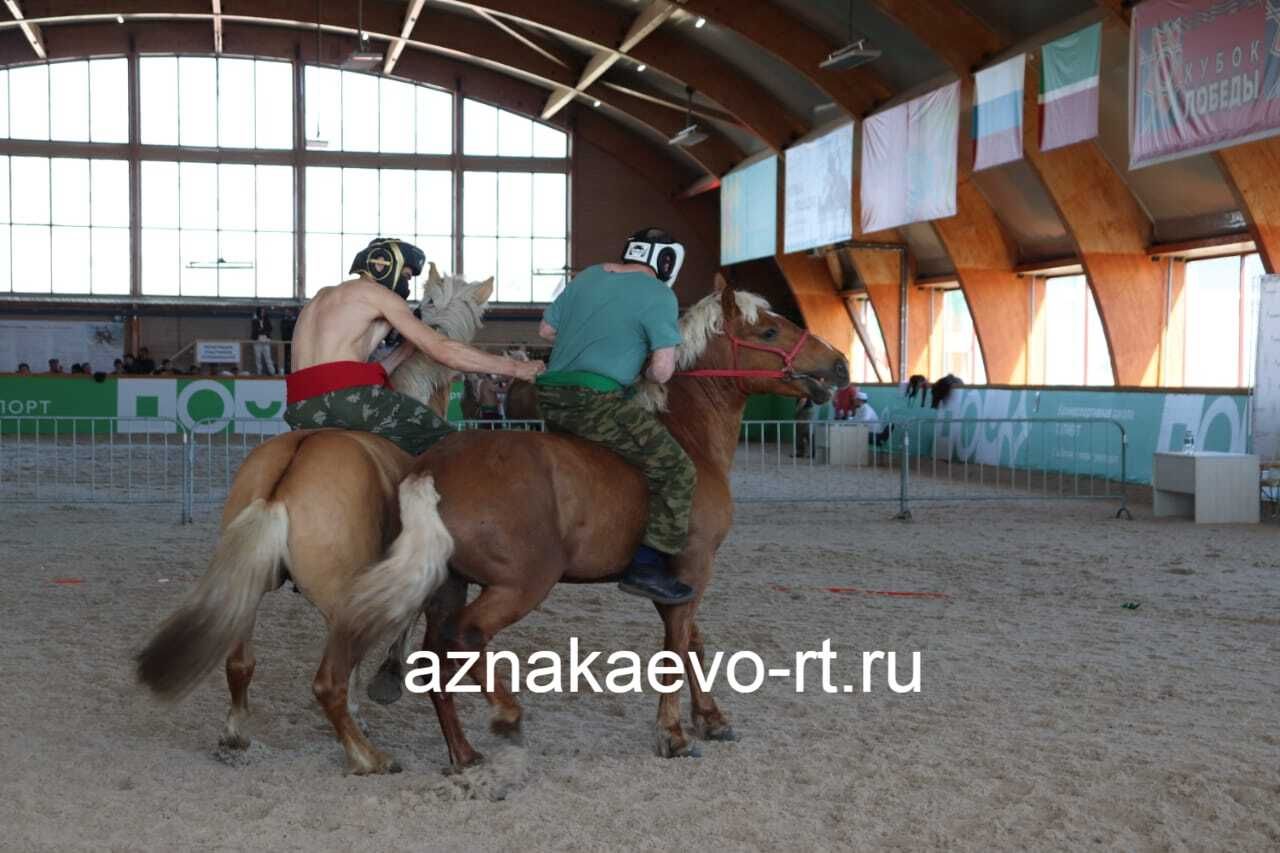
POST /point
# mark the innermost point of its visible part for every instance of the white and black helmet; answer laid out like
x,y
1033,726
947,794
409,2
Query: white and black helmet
x,y
657,250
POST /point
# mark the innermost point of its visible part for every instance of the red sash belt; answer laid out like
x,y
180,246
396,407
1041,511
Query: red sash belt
x,y
334,376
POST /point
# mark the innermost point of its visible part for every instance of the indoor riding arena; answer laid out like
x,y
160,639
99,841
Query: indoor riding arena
x,y
919,361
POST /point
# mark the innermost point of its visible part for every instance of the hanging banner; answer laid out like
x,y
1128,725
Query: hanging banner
x,y
749,212
909,161
997,113
1203,74
1069,88
819,191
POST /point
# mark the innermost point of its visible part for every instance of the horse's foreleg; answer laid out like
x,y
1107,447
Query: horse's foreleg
x,y
240,666
708,720
331,689
672,742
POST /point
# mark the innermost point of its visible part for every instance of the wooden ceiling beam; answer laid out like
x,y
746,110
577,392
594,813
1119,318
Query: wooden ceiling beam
x,y
606,27
858,91
411,13
29,30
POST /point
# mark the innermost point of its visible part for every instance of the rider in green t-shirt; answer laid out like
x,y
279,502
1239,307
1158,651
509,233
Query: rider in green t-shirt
x,y
606,324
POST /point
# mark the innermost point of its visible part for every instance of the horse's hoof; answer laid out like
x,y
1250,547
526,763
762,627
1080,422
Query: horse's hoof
x,y
233,741
723,734
508,729
459,766
384,687
688,751
675,746
379,765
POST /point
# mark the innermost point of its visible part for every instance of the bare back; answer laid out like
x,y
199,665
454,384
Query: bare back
x,y
341,323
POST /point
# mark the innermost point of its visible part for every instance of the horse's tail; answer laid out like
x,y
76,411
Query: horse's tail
x,y
389,593
222,608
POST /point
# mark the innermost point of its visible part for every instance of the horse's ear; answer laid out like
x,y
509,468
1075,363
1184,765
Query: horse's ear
x,y
720,283
433,275
728,301
482,293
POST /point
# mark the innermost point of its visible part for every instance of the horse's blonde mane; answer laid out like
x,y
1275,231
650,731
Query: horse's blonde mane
x,y
450,309
703,321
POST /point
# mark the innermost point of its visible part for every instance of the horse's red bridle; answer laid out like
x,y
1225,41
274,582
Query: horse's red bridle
x,y
737,374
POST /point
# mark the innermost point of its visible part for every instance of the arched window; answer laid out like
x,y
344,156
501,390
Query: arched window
x,y
868,365
1222,321
1075,346
961,354
220,172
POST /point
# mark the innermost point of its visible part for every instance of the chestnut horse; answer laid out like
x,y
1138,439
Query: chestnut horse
x,y
314,506
576,516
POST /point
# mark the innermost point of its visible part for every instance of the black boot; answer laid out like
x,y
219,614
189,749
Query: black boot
x,y
647,577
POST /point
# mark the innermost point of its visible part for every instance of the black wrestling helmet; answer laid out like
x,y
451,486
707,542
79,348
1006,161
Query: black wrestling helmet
x,y
657,250
385,259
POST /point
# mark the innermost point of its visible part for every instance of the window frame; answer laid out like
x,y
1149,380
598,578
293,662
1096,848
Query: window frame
x,y
296,155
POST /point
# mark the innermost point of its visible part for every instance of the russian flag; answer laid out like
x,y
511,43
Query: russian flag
x,y
997,113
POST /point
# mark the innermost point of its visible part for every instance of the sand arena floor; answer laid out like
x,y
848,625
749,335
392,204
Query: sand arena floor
x,y
1049,716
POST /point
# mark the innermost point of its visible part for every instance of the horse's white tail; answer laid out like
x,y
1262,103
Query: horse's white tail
x,y
224,604
389,593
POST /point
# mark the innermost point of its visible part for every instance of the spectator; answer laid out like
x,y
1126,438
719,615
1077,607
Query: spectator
x,y
55,366
804,415
862,410
145,363
24,369
845,402
260,332
286,332
76,368
165,366
117,367
130,365
86,368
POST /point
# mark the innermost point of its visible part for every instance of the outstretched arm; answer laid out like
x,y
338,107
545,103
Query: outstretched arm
x,y
448,352
662,365
547,332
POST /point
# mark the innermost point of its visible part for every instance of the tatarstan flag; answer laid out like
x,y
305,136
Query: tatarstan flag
x,y
1069,88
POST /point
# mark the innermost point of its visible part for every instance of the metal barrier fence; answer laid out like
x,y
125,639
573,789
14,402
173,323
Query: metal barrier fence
x,y
219,446
159,460
92,460
928,459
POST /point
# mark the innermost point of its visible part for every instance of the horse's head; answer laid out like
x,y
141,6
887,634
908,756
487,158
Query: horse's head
x,y
453,307
763,352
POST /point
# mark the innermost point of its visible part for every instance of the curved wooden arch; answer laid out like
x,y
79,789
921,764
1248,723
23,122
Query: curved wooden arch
x,y
975,222
605,26
448,35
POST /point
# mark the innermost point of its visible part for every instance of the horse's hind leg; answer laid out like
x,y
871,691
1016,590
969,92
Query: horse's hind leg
x,y
708,720
331,689
473,628
386,685
240,666
442,612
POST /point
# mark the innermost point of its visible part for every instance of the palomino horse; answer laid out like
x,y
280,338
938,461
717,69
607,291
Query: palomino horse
x,y
314,506
577,517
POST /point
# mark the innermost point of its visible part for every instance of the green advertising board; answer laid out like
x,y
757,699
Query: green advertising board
x,y
46,404
1152,421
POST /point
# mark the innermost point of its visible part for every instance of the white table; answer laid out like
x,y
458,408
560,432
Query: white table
x,y
846,442
1212,488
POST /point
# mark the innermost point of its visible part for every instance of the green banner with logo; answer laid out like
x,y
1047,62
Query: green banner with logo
x,y
149,404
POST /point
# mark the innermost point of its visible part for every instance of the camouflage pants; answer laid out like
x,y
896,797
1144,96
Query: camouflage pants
x,y
370,408
635,434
